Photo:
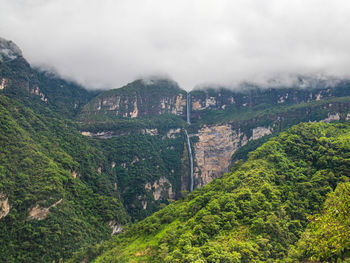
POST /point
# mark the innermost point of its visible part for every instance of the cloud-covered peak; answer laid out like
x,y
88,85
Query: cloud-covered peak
x,y
104,44
9,50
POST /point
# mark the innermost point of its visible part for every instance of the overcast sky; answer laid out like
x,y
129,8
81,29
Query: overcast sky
x,y
105,43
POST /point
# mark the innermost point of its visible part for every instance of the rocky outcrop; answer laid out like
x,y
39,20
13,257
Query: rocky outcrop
x,y
347,117
260,132
332,117
115,226
40,213
3,83
161,188
152,132
173,133
213,151
36,91
4,205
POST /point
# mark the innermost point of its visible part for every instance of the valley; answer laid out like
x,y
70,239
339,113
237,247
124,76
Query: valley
x,y
174,176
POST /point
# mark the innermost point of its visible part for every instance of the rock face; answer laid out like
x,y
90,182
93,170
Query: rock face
x,y
332,117
173,133
3,83
115,226
213,151
4,205
260,132
36,91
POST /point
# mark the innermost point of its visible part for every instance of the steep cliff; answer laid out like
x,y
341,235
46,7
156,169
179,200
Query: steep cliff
x,y
222,122
305,89
137,99
215,144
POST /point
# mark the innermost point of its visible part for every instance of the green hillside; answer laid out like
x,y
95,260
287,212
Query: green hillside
x,y
52,187
327,238
254,213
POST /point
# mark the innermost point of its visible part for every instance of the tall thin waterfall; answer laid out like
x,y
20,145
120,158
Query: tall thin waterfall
x,y
188,140
191,159
188,108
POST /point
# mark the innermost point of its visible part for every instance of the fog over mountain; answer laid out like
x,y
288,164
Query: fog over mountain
x,y
104,44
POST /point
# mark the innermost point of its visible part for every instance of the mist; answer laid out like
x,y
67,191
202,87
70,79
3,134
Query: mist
x,y
106,44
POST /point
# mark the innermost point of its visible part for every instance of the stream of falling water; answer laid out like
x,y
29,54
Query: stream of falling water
x,y
188,106
188,140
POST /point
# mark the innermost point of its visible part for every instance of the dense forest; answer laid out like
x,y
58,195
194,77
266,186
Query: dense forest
x,y
55,183
271,207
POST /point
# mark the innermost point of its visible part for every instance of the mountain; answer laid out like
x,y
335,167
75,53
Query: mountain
x,y
20,81
56,190
225,126
138,99
255,213
78,166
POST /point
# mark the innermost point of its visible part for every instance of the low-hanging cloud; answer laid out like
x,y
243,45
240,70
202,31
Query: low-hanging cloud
x,y
105,44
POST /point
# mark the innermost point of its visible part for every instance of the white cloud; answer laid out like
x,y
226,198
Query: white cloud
x,y
109,43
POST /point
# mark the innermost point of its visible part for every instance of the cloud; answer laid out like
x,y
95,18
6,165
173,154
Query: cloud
x,y
105,44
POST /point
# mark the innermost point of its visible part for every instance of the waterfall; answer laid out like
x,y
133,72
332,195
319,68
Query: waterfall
x,y
191,160
188,106
188,140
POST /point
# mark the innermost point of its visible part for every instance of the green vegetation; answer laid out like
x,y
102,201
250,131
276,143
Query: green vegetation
x,y
302,112
327,238
145,96
255,213
140,159
65,190
39,157
252,101
25,84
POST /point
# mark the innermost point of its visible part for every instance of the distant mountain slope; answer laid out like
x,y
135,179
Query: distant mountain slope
x,y
137,99
52,194
20,81
255,213
207,103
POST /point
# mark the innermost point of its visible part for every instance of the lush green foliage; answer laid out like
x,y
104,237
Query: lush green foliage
x,y
140,159
327,237
38,157
254,213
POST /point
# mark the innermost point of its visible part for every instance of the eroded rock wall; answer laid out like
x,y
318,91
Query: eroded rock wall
x,y
213,151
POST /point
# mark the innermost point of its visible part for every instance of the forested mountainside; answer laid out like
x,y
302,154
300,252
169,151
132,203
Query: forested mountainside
x,y
22,82
54,194
77,166
56,190
265,209
224,127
